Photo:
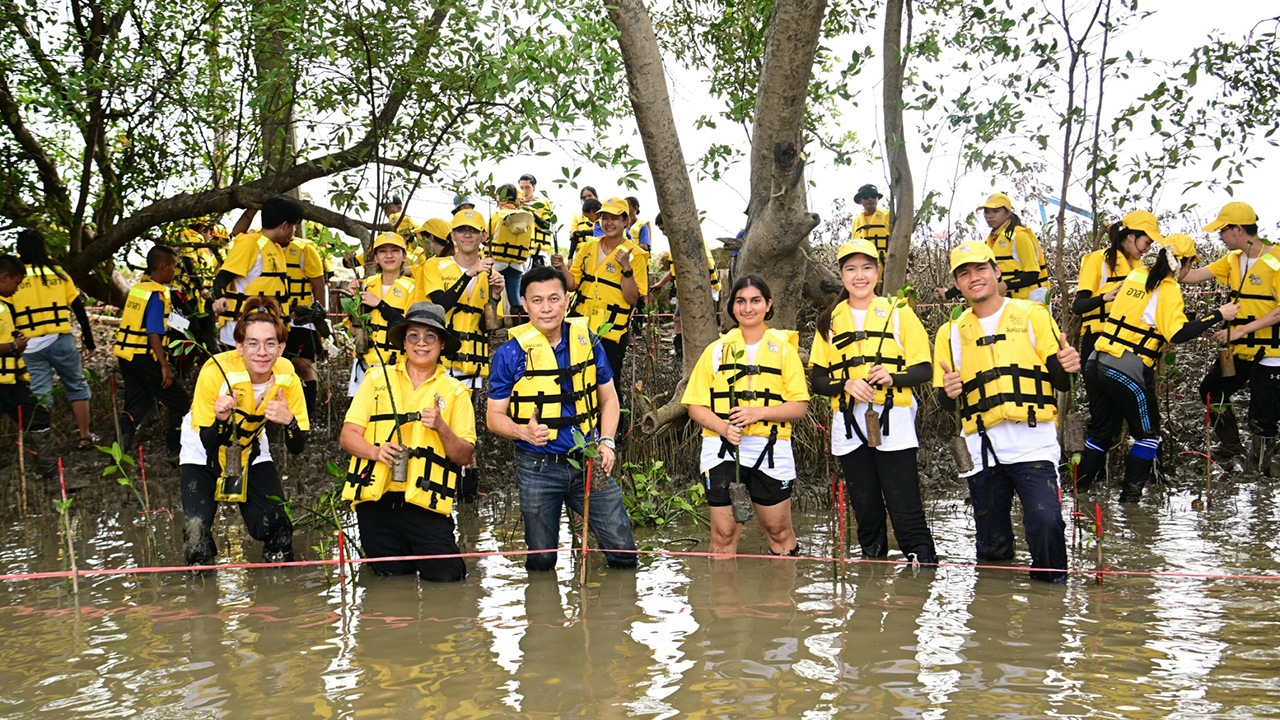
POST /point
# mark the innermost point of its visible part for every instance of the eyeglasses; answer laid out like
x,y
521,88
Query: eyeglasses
x,y
253,346
425,338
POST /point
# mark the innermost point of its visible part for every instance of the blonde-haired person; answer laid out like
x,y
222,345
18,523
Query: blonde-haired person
x,y
237,393
869,352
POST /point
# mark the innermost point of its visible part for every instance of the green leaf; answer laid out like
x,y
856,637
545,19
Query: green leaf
x,y
109,470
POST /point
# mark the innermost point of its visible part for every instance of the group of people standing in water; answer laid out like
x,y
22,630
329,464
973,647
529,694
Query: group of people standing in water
x,y
425,310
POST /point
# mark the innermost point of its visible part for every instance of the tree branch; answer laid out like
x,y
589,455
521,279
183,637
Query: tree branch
x,y
56,193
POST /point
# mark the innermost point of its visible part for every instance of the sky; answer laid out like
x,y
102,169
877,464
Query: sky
x,y
1164,35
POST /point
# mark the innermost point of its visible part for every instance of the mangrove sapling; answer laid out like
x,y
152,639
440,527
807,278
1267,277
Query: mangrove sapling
x,y
960,448
872,417
400,461
119,460
63,506
649,500
739,496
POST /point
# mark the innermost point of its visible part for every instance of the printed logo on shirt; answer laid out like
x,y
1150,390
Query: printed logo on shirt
x,y
396,292
881,313
1255,280
773,347
610,267
582,340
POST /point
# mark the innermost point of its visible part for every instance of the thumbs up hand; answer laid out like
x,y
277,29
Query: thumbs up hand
x,y
278,409
951,381
431,414
536,433
225,405
1068,356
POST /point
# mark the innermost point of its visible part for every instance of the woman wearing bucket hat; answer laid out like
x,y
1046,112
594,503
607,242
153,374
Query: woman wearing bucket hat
x,y
1251,271
411,412
872,223
384,298
1120,376
868,354
1017,252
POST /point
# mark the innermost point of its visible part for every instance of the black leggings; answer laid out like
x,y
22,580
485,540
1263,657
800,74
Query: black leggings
x,y
1264,392
878,481
264,518
1115,397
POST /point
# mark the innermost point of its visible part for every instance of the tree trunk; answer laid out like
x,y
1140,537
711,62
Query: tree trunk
x,y
652,107
276,84
778,217
902,196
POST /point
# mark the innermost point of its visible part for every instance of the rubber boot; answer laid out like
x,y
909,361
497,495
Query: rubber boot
x,y
469,487
1227,432
1268,460
1136,472
309,392
677,342
1093,464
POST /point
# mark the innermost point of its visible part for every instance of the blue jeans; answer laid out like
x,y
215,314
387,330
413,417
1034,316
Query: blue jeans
x,y
512,275
64,357
1037,486
547,483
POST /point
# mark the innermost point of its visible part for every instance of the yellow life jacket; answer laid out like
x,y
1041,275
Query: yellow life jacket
x,y
1004,378
634,231
854,351
1094,321
1256,298
131,337
433,478
759,384
1003,243
874,228
249,416
12,369
273,282
599,296
42,303
541,208
399,296
711,267
465,320
505,246
1124,330
540,386
197,267
300,294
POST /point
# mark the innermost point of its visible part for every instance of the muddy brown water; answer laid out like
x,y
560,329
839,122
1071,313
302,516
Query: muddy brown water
x,y
679,637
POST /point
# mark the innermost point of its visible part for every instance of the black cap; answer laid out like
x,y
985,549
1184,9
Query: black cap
x,y
427,314
395,200
867,191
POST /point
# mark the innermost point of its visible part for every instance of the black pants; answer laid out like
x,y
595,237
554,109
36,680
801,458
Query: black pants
x,y
18,395
1217,389
264,518
142,382
1264,401
1115,397
616,351
880,481
391,527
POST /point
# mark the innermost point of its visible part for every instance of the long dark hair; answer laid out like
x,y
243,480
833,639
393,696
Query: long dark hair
x,y
743,283
34,253
1160,270
1116,233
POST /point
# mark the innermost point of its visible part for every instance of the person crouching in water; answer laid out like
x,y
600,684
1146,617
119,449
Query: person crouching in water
x,y
416,413
1148,313
1000,363
868,354
746,390
237,393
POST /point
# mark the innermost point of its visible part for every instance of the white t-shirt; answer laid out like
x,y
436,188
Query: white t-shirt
x,y
902,419
241,284
1013,442
192,452
752,446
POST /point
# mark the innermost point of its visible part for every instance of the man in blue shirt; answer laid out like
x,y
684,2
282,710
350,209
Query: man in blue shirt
x,y
526,383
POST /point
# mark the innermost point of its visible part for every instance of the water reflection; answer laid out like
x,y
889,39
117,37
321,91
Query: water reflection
x,y
678,637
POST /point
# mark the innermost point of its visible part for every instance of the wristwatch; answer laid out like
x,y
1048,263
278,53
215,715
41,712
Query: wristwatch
x,y
628,273
608,443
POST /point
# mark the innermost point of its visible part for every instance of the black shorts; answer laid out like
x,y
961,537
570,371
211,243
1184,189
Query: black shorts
x,y
765,491
302,343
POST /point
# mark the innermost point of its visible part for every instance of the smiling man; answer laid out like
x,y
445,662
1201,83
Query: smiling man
x,y
1001,362
550,383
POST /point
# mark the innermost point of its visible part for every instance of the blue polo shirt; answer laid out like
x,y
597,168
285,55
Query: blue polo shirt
x,y
508,366
153,317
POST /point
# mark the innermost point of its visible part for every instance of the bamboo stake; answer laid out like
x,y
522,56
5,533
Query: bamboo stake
x,y
66,529
586,513
22,463
1097,526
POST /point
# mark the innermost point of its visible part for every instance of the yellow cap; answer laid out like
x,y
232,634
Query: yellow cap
x,y
468,218
857,247
974,251
389,238
997,200
1145,222
1183,246
615,206
1233,213
436,227
220,232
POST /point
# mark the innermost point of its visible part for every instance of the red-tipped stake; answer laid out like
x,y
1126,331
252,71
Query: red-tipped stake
x,y
66,528
22,463
342,556
586,510
1097,526
142,465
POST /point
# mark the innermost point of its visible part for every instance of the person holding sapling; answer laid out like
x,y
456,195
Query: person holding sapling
x,y
746,390
1007,357
1147,315
225,456
383,297
411,412
868,354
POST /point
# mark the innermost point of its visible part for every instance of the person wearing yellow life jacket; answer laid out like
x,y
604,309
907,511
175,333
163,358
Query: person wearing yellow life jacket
x,y
237,393
869,353
307,306
1148,314
412,408
510,240
669,276
1018,254
16,399
140,351
1251,271
639,231
384,297
610,274
197,266
544,217
552,361
433,235
396,217
255,264
872,223
42,307
585,223
1101,273
746,390
1001,362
